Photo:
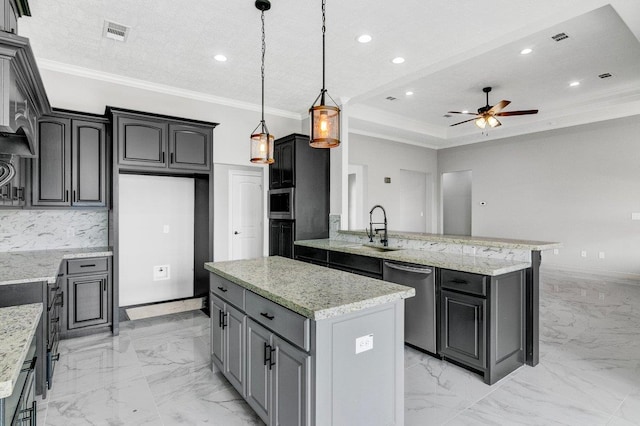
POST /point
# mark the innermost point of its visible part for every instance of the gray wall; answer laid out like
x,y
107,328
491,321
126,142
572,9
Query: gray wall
x,y
384,158
577,186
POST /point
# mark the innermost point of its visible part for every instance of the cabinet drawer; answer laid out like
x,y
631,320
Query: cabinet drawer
x,y
87,266
356,262
282,321
311,254
464,282
228,291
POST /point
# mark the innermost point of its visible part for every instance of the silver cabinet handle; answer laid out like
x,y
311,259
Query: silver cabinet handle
x,y
405,268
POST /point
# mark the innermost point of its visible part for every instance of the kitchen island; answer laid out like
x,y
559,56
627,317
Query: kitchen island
x,y
307,345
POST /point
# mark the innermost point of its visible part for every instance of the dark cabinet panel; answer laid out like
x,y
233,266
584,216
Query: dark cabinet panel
x,y
51,169
281,236
282,172
142,142
89,148
12,194
258,368
189,147
87,301
462,328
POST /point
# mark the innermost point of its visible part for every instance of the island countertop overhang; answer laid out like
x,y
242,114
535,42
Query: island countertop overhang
x,y
312,291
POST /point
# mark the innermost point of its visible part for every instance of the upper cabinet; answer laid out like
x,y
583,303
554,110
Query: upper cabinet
x,y
71,167
282,171
162,143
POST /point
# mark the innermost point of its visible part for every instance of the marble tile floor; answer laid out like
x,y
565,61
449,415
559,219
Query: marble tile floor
x,y
156,372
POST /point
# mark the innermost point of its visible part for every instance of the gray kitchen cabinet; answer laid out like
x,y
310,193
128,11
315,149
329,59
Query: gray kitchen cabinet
x,y
312,255
482,321
189,147
282,171
146,141
228,341
88,296
12,194
71,167
361,265
54,318
277,377
20,408
281,235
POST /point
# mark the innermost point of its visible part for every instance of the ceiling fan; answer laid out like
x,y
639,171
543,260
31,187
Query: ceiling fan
x,y
487,114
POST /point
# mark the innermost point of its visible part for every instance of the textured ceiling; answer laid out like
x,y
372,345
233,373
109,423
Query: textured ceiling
x,y
452,50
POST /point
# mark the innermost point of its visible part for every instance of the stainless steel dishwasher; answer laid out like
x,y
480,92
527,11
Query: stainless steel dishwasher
x,y
419,311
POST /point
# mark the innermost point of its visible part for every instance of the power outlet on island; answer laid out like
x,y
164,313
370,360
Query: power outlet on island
x,y
364,343
161,272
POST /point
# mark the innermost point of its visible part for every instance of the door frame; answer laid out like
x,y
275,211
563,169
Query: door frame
x,y
241,172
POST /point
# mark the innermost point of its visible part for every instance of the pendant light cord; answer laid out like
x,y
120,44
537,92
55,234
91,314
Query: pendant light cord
x,y
324,29
264,48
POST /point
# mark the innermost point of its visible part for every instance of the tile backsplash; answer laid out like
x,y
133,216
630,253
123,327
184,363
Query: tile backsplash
x,y
22,230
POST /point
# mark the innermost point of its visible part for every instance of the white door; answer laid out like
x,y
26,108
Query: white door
x,y
246,214
456,202
414,205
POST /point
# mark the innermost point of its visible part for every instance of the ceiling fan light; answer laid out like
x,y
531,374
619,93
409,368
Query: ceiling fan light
x,y
481,122
492,121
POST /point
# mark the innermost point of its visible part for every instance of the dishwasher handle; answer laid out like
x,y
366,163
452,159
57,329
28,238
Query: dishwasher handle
x,y
404,268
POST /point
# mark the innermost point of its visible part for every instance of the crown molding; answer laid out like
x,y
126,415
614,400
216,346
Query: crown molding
x,y
60,67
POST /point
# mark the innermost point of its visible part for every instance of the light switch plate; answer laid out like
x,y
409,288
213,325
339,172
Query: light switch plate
x,y
364,343
635,216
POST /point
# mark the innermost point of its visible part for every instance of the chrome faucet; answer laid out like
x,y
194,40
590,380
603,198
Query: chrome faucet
x,y
371,232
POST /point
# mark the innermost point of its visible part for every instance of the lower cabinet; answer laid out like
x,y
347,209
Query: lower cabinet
x,y
88,296
228,342
482,322
277,376
20,408
281,235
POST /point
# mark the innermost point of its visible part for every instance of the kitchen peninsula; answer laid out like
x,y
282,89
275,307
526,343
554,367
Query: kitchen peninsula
x,y
307,345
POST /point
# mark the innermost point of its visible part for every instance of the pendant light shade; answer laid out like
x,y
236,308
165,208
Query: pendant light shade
x,y
262,141
324,119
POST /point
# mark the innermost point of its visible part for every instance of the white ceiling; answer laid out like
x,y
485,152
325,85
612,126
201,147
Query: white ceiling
x,y
453,49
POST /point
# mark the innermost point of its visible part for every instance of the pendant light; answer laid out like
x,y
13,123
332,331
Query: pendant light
x,y
324,119
262,142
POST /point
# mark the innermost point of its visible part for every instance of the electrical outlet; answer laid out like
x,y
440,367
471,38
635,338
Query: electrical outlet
x,y
556,251
600,255
364,343
583,253
635,216
161,272
165,229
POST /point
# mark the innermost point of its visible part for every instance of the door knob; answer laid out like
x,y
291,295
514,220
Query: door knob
x,y
236,233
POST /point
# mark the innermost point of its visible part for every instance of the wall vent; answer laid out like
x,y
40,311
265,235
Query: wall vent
x,y
560,37
115,31
391,98
605,75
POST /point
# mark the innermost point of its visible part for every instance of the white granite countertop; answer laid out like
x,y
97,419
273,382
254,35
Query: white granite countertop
x,y
468,240
17,326
313,291
456,262
17,267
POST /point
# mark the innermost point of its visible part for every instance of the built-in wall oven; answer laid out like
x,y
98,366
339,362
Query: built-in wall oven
x,y
281,203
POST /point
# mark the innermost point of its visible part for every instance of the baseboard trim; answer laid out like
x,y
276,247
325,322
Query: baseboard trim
x,y
596,274
149,310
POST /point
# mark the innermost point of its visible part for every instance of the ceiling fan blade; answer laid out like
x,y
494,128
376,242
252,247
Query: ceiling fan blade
x,y
462,122
459,112
523,112
498,107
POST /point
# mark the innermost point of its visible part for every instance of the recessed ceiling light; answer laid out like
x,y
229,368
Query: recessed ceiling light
x,y
220,58
526,51
398,60
364,38
574,83
409,93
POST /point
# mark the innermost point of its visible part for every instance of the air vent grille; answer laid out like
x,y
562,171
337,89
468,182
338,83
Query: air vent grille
x,y
115,31
560,37
605,75
391,98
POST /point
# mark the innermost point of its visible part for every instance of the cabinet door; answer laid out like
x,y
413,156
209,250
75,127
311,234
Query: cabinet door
x,y
291,384
274,169
189,147
259,369
89,147
274,238
142,142
286,238
87,301
287,164
51,169
462,329
217,332
234,347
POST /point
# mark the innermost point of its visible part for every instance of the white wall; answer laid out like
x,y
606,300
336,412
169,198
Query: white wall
x,y
577,186
384,158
